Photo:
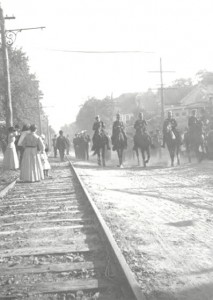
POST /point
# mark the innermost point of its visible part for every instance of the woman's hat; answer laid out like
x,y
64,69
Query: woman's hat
x,y
11,129
33,128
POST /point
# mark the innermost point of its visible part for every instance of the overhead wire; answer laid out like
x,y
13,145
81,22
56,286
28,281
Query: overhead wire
x,y
101,52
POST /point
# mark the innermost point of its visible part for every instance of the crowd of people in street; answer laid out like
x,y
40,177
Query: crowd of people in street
x,y
81,143
61,144
196,123
27,151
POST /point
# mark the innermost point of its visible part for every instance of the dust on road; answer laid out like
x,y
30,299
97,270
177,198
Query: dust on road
x,y
162,220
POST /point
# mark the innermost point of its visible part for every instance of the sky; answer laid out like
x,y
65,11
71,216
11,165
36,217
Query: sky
x,y
180,32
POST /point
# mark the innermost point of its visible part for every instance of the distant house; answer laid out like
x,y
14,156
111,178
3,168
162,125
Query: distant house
x,y
201,97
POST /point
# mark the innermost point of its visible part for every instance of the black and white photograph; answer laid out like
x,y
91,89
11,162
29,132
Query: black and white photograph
x,y
106,150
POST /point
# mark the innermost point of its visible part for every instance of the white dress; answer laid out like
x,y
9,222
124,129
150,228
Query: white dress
x,y
31,166
10,161
45,161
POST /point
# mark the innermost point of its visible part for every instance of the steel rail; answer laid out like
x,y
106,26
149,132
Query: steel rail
x,y
7,188
113,247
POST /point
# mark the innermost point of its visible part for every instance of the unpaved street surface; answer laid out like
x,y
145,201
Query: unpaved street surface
x,y
162,220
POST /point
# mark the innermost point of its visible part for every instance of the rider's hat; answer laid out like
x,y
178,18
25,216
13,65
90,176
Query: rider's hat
x,y
97,117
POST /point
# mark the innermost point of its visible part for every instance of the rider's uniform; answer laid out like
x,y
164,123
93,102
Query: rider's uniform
x,y
98,128
192,123
140,127
116,128
173,123
205,124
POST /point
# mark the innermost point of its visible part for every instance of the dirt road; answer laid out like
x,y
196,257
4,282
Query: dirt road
x,y
162,220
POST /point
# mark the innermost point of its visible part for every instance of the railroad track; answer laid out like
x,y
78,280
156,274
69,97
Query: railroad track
x,y
55,245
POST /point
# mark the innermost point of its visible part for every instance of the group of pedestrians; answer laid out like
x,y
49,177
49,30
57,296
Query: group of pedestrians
x,y
61,144
81,143
27,151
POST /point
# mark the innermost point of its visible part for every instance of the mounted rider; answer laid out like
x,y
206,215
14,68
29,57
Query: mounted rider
x,y
98,127
118,126
170,121
193,122
140,127
204,120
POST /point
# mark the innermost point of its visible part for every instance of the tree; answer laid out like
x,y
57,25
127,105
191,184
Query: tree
x,y
205,77
25,90
93,107
177,91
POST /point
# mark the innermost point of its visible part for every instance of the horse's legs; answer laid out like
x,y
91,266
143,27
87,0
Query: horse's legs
x,y
188,151
143,156
99,157
118,152
172,156
178,156
120,157
137,154
148,154
103,156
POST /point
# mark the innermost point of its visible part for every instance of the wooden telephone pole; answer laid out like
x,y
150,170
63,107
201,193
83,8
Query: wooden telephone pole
x,y
7,89
7,38
162,88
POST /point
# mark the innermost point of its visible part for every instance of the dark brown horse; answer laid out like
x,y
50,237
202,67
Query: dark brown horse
x,y
142,143
120,143
196,141
173,143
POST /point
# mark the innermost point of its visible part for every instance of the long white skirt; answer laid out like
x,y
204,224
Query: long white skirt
x,y
10,161
31,166
45,162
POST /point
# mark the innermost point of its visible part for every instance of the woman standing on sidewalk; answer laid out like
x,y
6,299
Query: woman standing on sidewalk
x,y
10,161
31,166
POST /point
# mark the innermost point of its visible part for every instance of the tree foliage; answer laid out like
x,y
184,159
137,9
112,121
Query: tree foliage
x,y
177,91
93,107
205,77
25,90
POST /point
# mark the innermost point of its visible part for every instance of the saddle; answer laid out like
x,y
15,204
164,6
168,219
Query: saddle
x,y
170,132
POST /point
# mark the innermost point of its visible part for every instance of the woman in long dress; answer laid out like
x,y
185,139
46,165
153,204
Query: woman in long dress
x,y
31,166
10,161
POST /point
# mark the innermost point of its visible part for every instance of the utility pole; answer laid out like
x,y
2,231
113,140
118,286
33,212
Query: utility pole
x,y
39,116
7,39
48,132
7,88
161,88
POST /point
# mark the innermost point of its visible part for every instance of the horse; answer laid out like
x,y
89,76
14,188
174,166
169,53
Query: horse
x,y
195,142
100,149
119,144
142,142
173,143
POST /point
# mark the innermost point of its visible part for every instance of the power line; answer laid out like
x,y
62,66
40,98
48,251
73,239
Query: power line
x,y
102,52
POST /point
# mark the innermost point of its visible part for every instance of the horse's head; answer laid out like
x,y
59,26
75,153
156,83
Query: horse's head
x,y
169,128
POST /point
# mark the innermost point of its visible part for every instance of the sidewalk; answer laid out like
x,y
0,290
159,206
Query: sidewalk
x,y
6,177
